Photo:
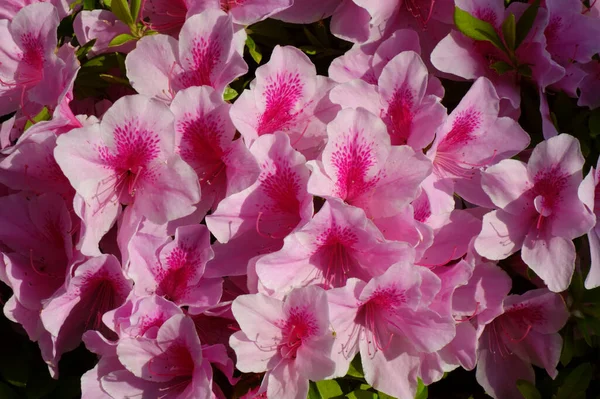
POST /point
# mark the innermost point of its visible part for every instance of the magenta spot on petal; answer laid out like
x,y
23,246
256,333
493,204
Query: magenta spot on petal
x,y
486,14
299,326
399,115
282,94
421,208
100,294
553,29
463,127
228,5
201,146
281,185
205,55
149,321
179,271
353,159
33,54
549,184
135,149
377,317
335,255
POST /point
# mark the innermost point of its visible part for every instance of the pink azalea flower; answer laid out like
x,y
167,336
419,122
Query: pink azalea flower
x,y
171,365
36,251
337,244
389,322
291,340
205,54
307,11
28,57
474,136
288,96
243,12
103,26
204,139
590,86
361,167
255,221
540,211
10,8
589,194
401,99
96,286
475,57
129,157
526,333
174,268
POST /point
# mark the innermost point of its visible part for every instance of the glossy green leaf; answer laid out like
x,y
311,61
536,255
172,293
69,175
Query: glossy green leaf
x,y
509,27
114,79
134,8
83,51
121,39
528,390
313,392
89,4
476,29
355,369
501,67
329,389
254,50
422,391
594,126
43,115
229,94
525,23
121,10
361,394
576,382
566,355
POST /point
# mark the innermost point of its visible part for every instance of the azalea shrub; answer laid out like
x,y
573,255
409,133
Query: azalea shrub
x,y
299,198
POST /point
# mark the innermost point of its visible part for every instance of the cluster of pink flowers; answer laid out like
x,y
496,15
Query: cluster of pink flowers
x,y
313,219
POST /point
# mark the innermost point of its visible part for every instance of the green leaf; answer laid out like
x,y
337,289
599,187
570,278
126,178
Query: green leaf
x,y
476,29
524,70
121,39
253,50
525,23
107,3
82,51
121,10
313,392
576,382
6,392
509,31
134,8
594,123
43,115
568,346
229,94
114,79
384,395
329,389
360,394
355,369
502,67
528,390
89,5
310,50
422,391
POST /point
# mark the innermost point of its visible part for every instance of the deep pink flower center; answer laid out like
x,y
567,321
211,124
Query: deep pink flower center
x,y
299,326
353,158
180,268
399,115
201,148
205,55
449,150
377,318
99,296
335,254
282,94
135,149
549,184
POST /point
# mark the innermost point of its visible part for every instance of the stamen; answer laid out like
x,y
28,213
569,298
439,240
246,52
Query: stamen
x,y
467,318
